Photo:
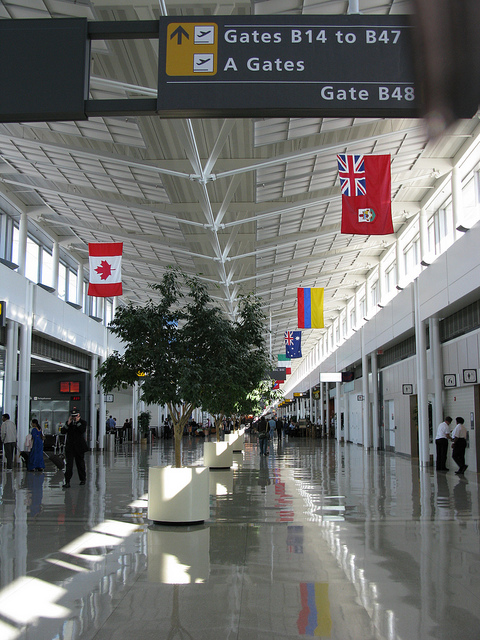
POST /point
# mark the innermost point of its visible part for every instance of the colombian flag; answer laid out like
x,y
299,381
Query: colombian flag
x,y
310,308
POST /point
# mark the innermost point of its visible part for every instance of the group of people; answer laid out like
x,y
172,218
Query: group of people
x,y
266,431
458,438
121,432
75,445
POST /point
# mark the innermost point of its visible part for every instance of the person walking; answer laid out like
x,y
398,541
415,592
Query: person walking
x,y
279,427
263,436
441,443
75,447
9,439
35,458
271,428
459,444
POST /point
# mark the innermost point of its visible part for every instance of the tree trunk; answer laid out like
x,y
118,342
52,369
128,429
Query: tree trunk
x,y
179,419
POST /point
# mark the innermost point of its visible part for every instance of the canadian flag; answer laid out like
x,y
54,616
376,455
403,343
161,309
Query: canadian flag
x,y
105,260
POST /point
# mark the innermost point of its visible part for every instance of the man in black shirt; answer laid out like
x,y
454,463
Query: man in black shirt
x,y
75,447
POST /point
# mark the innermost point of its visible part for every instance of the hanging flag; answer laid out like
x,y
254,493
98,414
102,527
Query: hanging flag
x,y
284,363
276,384
310,308
293,344
105,260
365,182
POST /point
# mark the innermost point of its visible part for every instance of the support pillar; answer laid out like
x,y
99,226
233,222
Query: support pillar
x,y
93,401
457,201
367,443
55,265
102,414
420,341
25,349
437,370
376,408
22,244
11,370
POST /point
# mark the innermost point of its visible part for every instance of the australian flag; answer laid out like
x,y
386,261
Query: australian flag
x,y
293,344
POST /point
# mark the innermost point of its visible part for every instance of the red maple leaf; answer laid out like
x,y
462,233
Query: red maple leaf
x,y
104,270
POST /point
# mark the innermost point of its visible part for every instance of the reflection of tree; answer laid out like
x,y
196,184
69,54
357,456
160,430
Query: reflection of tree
x,y
176,629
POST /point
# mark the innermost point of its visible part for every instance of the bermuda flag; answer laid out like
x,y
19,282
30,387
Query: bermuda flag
x,y
366,194
105,269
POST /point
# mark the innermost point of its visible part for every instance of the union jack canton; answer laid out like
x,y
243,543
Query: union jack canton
x,y
288,338
351,171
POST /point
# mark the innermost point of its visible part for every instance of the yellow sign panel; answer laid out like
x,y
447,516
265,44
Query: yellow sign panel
x,y
192,49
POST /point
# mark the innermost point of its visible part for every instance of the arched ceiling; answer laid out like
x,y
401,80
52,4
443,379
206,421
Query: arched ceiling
x,y
247,204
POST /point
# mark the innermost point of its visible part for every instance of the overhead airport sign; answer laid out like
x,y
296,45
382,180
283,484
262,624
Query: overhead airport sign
x,y
291,65
43,66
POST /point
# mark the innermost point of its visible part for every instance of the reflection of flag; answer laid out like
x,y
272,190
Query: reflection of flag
x,y
314,618
105,260
293,344
310,308
365,182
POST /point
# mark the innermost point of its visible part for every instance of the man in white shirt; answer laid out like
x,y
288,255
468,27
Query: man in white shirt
x,y
9,439
441,443
459,436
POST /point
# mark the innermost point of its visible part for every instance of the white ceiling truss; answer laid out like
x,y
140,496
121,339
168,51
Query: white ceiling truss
x,y
246,204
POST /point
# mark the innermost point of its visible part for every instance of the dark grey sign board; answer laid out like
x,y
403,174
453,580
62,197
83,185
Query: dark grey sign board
x,y
247,66
43,69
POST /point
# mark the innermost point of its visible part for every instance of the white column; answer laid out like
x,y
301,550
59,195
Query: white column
x,y
102,415
399,262
55,265
373,358
424,252
11,386
346,415
327,407
366,395
93,400
22,244
457,201
25,349
135,411
80,284
436,348
322,404
420,341
381,284
337,411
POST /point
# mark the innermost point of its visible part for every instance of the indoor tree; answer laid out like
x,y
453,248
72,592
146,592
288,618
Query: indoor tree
x,y
190,352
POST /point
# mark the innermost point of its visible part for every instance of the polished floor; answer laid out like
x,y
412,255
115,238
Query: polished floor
x,y
317,539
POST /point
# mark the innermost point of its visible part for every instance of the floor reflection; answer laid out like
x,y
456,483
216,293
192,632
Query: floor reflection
x,y
317,539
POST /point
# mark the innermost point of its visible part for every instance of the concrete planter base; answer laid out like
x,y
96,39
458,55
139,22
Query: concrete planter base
x,y
178,496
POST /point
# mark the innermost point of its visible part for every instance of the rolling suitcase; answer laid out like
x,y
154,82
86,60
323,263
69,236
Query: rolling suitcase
x,y
58,461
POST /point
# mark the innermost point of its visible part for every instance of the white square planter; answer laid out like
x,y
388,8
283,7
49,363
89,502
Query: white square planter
x,y
178,496
218,455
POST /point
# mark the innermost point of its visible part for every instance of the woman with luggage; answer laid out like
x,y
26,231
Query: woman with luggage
x,y
35,458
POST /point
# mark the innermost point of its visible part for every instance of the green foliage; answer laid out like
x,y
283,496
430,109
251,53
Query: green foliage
x,y
191,353
144,421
